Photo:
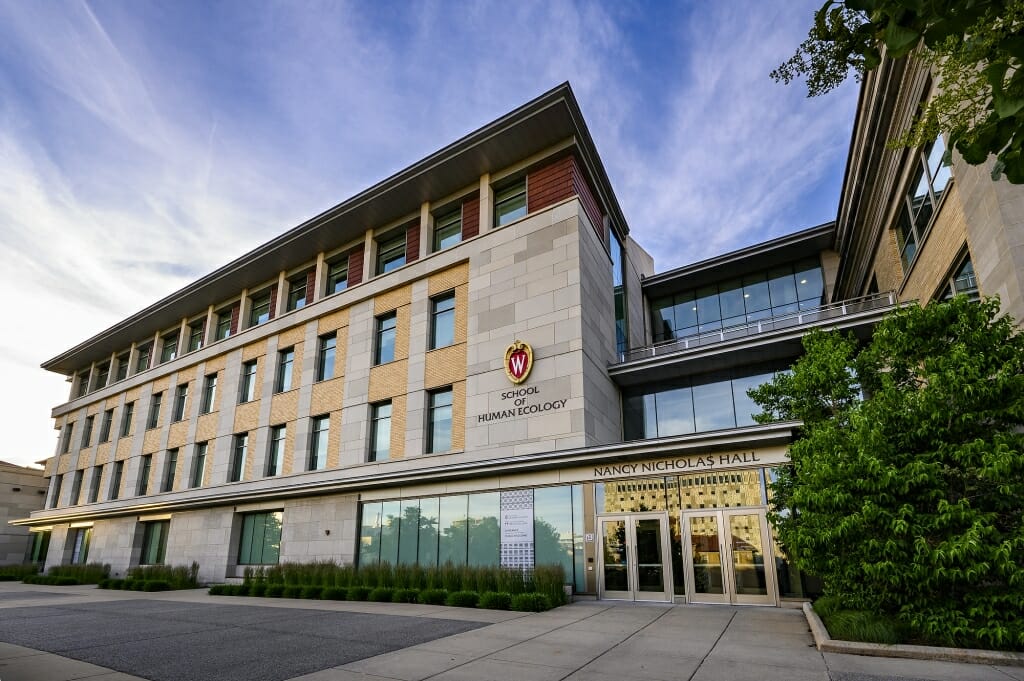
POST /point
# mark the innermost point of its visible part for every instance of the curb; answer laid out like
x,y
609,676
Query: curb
x,y
826,644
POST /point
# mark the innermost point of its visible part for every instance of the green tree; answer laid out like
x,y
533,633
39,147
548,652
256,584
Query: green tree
x,y
975,47
910,501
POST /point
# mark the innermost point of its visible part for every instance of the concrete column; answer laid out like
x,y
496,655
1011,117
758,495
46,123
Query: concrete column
x,y
243,311
133,357
369,255
89,387
426,229
183,335
112,368
211,324
486,203
282,295
319,279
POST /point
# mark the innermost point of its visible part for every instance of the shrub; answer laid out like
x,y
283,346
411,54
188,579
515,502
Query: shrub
x,y
156,585
292,591
495,600
334,593
103,584
13,573
433,596
550,581
115,584
82,574
382,594
462,599
274,590
64,581
217,589
179,577
858,625
531,602
405,595
358,593
312,592
138,585
258,589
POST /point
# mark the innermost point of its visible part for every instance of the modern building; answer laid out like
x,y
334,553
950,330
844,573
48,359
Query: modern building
x,y
471,361
22,491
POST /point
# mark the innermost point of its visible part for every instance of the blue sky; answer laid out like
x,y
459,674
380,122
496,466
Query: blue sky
x,y
143,144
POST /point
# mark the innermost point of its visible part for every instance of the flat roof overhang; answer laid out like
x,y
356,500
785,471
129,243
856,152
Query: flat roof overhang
x,y
427,469
777,344
546,121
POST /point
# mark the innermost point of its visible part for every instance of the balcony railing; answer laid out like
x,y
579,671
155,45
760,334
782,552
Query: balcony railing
x,y
876,301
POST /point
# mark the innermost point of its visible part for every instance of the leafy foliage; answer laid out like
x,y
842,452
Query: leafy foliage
x,y
975,47
910,502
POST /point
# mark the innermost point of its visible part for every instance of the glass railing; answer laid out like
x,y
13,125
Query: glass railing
x,y
876,301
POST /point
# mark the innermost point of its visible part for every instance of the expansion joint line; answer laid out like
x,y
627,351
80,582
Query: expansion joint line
x,y
712,648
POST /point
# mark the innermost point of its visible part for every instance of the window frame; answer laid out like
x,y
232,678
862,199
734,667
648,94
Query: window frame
x,y
196,336
143,352
198,472
76,487
257,302
437,314
105,425
247,384
433,422
275,449
115,481
949,290
222,329
319,442
239,453
285,364
87,431
155,405
906,217
383,330
66,435
245,557
127,416
391,248
294,284
170,470
335,268
376,421
161,528
209,397
169,346
322,352
94,489
145,469
443,224
510,195
178,412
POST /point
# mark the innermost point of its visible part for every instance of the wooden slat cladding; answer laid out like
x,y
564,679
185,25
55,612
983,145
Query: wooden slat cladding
x,y
471,218
412,242
558,181
355,266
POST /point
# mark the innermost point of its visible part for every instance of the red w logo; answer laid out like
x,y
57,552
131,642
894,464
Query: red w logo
x,y
518,362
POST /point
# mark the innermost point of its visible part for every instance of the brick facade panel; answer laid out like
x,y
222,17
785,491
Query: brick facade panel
x,y
471,218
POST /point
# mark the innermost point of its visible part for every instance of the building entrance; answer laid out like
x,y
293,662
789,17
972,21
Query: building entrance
x,y
634,556
726,557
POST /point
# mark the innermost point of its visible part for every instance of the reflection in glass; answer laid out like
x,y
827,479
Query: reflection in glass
x,y
637,495
709,313
553,527
747,555
369,535
578,537
390,527
745,406
712,406
674,413
429,515
408,537
616,569
707,557
452,542
484,532
649,565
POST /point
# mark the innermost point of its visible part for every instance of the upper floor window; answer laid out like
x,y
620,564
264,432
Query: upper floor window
x,y
168,347
240,447
297,292
260,310
145,466
510,203
94,488
247,388
87,431
58,481
76,488
448,229
170,470
619,293
126,419
318,442
102,375
154,411
384,346
380,431
115,480
105,424
914,214
65,439
223,329
195,335
325,357
209,393
962,282
337,275
439,421
142,357
442,320
122,367
285,361
198,465
275,453
180,396
83,383
391,252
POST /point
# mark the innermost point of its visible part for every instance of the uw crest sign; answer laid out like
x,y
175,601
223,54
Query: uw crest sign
x,y
518,361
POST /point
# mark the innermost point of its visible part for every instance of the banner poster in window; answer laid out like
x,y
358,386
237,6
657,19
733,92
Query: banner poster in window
x,y
517,528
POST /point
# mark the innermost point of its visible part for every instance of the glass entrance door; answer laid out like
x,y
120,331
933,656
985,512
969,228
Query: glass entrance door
x,y
634,554
726,557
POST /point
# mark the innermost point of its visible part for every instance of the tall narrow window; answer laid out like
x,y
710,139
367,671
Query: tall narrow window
x,y
384,346
318,442
76,488
154,411
39,547
325,357
247,389
142,358
94,487
448,229
199,465
102,376
439,421
154,542
337,275
928,184
297,292
260,541
239,448
58,482
260,310
126,419
380,431
619,293
115,480
122,367
65,437
83,383
87,431
195,335
105,425
275,453
80,545
180,397
510,203
285,360
209,393
391,253
145,468
442,320
170,470
962,283
169,347
223,329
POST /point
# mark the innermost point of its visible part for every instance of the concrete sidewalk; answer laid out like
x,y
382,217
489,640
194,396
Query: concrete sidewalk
x,y
595,641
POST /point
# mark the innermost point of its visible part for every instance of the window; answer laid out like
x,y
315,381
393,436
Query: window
x,y
238,451
83,383
318,443
337,275
58,482
285,360
209,393
65,438
442,320
199,465
260,541
391,253
962,283
154,411
195,335
510,203
170,470
169,347
297,292
145,467
76,488
180,396
94,488
105,424
126,419
384,347
275,454
223,329
439,421
39,547
102,375
87,431
247,391
914,215
122,367
380,431
260,311
154,542
80,545
619,294
115,479
142,358
448,230
325,357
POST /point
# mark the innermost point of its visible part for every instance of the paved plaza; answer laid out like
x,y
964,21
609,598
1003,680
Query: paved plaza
x,y
64,633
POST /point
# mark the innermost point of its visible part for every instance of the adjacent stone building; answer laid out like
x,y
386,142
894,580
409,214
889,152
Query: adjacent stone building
x,y
22,491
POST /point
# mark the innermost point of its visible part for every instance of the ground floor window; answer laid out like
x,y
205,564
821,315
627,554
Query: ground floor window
x,y
37,548
260,542
80,545
154,542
